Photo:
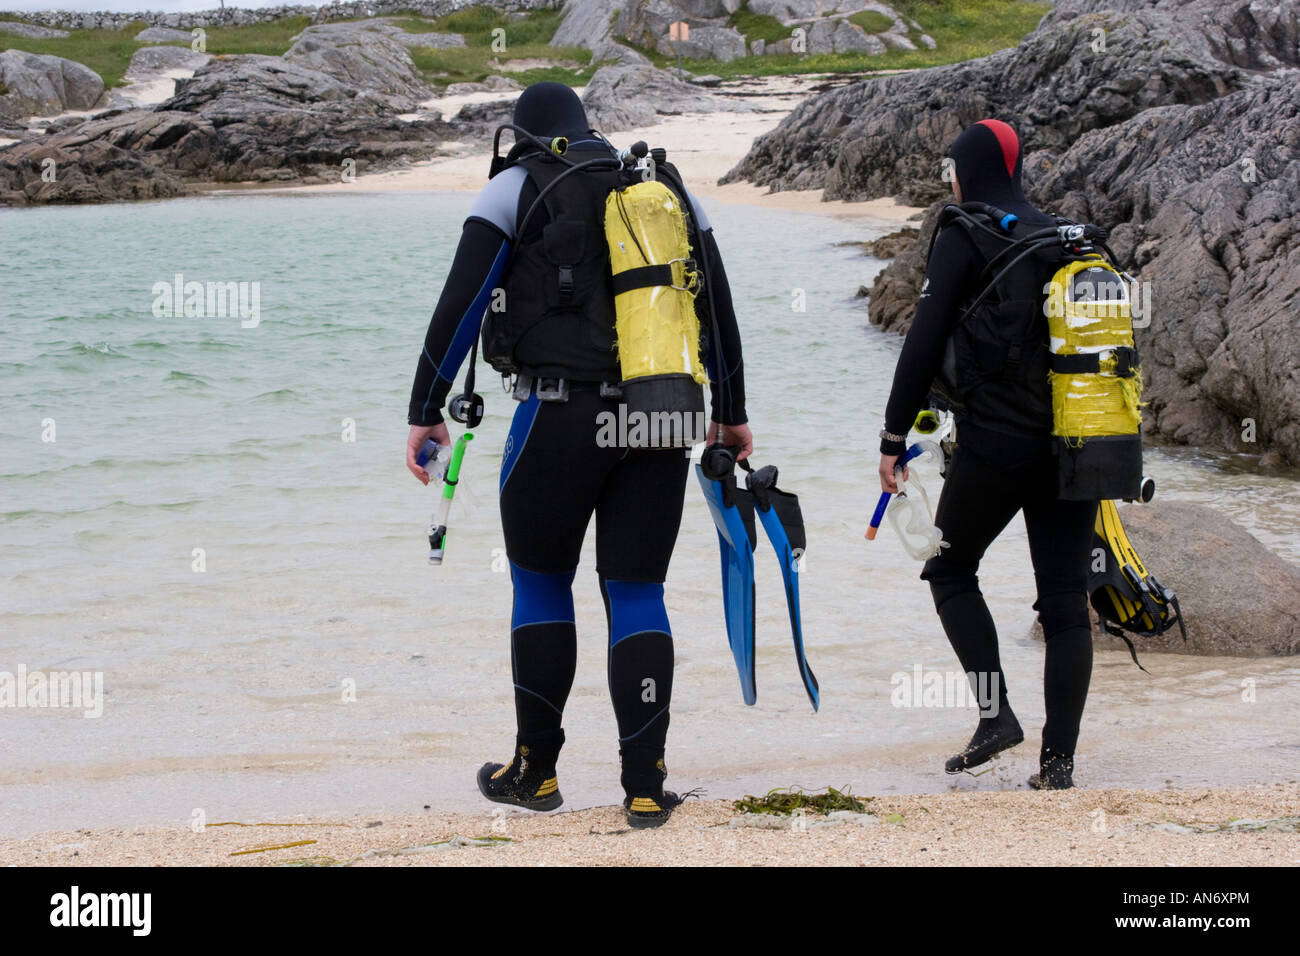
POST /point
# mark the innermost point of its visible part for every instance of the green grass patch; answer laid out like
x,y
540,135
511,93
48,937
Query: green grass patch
x,y
783,802
268,39
758,26
107,52
871,21
962,30
525,38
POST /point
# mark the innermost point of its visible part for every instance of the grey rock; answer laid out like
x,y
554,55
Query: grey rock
x,y
707,80
841,36
152,60
622,97
31,31
42,85
707,43
365,58
1258,35
493,84
646,23
927,41
896,40
886,135
1205,202
85,172
1237,597
805,11
164,35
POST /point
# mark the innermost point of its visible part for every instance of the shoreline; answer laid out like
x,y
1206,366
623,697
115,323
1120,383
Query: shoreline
x,y
1203,826
704,145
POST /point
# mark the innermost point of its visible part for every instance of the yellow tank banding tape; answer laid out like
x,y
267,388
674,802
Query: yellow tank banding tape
x,y
657,327
1089,405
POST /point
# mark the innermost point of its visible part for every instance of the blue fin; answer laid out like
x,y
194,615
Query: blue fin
x,y
733,514
783,521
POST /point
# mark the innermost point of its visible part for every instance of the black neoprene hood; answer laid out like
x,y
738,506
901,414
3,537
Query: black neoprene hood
x,y
551,109
988,160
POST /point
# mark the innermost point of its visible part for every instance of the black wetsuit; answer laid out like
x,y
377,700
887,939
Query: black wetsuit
x,y
1003,464
555,475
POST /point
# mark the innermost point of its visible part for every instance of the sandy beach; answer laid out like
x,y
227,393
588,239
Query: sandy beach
x,y
1243,827
704,146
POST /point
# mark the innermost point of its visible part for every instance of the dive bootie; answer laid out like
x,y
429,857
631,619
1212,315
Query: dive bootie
x,y
1056,772
529,779
647,803
992,736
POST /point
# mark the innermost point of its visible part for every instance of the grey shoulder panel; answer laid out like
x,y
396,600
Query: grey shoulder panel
x,y
498,201
700,216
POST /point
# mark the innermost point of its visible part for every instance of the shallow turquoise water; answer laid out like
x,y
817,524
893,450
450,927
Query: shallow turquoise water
x,y
224,687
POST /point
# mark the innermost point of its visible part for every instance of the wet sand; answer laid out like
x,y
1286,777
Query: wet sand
x,y
1251,826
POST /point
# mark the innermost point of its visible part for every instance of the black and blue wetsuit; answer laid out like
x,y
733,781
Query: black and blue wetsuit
x,y
555,475
1004,464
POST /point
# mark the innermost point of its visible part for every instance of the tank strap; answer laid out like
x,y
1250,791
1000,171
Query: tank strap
x,y
642,277
1126,359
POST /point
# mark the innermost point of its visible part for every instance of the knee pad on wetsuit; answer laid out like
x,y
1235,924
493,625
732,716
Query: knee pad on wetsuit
x,y
635,607
541,598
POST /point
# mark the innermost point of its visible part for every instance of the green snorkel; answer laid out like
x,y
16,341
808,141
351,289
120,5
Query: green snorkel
x,y
438,525
466,408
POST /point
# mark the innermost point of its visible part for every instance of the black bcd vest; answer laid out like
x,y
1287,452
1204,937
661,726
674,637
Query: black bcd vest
x,y
558,315
995,365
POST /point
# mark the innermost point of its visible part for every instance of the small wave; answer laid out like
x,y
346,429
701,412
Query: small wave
x,y
279,395
178,376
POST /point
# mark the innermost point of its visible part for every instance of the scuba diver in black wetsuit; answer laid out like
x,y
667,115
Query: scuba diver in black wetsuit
x,y
535,235
1004,461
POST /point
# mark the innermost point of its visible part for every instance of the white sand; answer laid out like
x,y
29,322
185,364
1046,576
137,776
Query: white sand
x,y
704,146
1248,826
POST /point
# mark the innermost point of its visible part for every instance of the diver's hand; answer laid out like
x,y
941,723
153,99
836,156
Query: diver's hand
x,y
415,441
888,480
734,436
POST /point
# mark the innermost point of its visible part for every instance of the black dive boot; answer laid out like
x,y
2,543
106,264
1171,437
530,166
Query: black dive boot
x,y
992,736
529,779
1056,772
647,803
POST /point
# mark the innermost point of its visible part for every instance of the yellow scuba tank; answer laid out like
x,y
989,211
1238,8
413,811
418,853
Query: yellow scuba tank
x,y
1096,381
655,282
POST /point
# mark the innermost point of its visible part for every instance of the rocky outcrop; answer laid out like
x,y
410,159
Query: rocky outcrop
x,y
623,97
1177,125
886,136
151,61
816,26
1205,203
364,56
37,85
80,171
588,24
1237,597
646,24
31,31
163,35
241,118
